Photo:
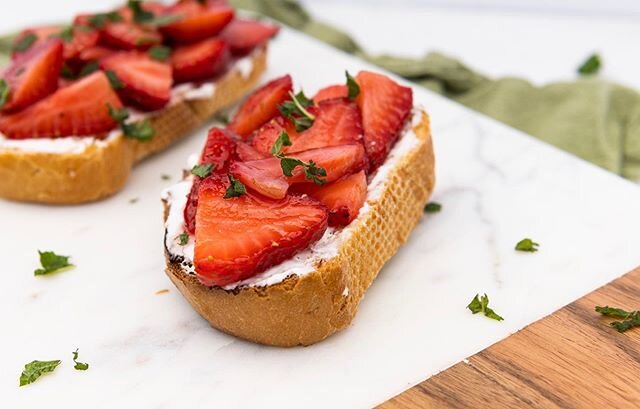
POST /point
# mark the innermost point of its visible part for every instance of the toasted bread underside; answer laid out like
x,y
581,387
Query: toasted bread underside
x,y
302,310
100,171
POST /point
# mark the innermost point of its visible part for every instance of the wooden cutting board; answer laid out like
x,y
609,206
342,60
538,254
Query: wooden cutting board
x,y
570,359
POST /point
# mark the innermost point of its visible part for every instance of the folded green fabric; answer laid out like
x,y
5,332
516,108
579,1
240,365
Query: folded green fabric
x,y
594,119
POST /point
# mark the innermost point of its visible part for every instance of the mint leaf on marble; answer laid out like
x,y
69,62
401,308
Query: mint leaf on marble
x,y
527,245
35,369
481,304
591,65
80,366
352,87
203,170
51,263
432,207
630,318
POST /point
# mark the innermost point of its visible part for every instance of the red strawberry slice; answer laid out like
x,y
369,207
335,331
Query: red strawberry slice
x,y
95,53
261,106
197,22
263,139
385,107
266,176
219,151
245,35
331,92
247,152
344,197
199,61
243,236
33,75
79,109
146,82
81,38
129,36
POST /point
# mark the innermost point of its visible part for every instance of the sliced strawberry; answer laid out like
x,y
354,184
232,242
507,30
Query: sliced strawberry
x,y
263,139
385,107
344,197
146,82
79,109
219,151
331,92
129,36
80,38
245,35
199,61
95,53
266,176
261,106
247,152
197,22
32,37
243,236
33,75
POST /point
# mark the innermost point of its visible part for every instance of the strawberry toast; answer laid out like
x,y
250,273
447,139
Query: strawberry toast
x,y
81,103
293,208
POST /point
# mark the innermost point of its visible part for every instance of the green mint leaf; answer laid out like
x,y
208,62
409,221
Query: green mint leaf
x,y
164,176
164,20
480,304
101,19
140,15
352,86
183,239
283,140
118,115
35,369
312,173
591,65
235,189
66,34
51,263
222,118
631,322
89,68
203,170
24,43
160,52
114,80
295,110
80,366
141,130
527,245
288,165
4,92
432,207
613,312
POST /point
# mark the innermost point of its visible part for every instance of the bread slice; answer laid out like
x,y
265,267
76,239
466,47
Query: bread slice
x,y
302,310
103,167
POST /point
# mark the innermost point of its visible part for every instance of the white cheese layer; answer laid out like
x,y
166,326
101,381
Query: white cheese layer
x,y
304,262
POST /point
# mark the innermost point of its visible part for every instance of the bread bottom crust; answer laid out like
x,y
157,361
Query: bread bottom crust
x,y
302,310
100,171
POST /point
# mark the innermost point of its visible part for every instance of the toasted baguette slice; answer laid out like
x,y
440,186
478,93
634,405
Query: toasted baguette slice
x,y
302,310
103,168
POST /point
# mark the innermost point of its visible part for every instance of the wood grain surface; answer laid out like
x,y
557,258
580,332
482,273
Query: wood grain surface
x,y
570,359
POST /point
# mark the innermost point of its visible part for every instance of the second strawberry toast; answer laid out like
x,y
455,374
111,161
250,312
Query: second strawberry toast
x,y
293,209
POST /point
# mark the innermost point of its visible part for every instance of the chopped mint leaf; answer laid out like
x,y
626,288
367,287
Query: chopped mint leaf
x,y
481,304
140,15
51,263
66,34
89,68
114,80
527,245
183,239
630,319
24,43
222,118
141,130
235,189
80,366
134,200
613,312
203,170
101,19
35,369
164,176
352,86
118,115
160,52
283,140
4,92
591,65
432,207
295,110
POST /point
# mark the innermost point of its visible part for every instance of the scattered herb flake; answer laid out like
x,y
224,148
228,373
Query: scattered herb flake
x,y
134,200
352,86
24,43
164,176
51,263
222,118
140,15
432,207
311,171
183,239
235,189
283,140
4,92
163,291
141,130
80,366
591,65
35,369
89,68
295,110
114,80
481,304
527,245
203,170
630,319
101,19
160,52
66,34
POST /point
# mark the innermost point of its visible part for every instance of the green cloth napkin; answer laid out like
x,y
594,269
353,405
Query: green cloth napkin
x,y
594,119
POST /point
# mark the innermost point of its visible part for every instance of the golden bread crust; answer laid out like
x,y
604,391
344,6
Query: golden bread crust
x,y
100,171
302,310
